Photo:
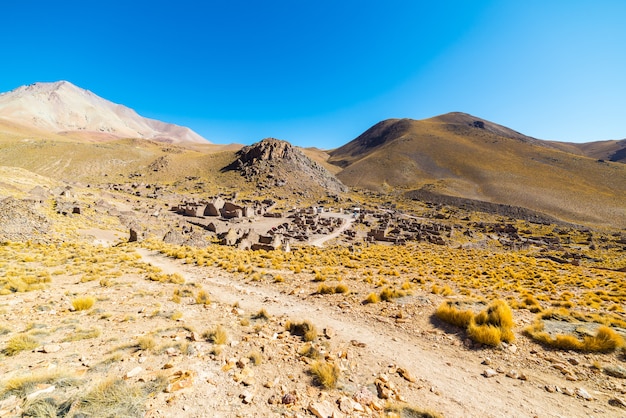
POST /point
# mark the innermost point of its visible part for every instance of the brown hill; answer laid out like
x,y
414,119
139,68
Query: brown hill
x,y
614,150
464,156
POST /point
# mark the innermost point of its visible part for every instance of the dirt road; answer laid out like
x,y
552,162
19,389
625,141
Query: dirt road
x,y
450,378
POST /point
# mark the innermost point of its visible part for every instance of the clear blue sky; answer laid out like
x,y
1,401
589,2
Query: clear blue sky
x,y
319,73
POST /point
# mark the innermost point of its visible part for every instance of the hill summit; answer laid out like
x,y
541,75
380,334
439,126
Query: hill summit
x,y
273,162
62,107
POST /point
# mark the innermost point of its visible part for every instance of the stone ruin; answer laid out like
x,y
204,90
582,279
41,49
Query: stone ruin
x,y
218,207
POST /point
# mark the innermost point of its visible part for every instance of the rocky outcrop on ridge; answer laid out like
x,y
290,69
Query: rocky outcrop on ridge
x,y
275,163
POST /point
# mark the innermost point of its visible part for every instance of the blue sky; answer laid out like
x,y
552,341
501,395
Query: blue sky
x,y
319,73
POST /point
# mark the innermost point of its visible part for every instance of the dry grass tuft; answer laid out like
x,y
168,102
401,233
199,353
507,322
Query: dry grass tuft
x,y
113,398
304,329
146,342
490,327
606,339
262,314
325,373
18,343
408,411
83,303
217,335
202,298
448,312
372,298
20,386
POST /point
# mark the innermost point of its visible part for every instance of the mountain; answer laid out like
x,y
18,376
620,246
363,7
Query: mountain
x,y
271,163
65,109
614,150
464,156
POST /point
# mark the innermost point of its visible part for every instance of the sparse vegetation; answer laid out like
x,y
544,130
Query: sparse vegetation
x,y
217,335
325,373
304,329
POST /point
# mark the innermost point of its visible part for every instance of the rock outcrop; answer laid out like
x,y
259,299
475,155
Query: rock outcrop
x,y
275,163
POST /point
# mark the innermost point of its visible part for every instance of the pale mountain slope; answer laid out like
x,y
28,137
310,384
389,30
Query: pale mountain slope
x,y
61,107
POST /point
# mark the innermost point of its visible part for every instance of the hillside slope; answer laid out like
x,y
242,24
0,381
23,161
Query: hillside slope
x,y
63,108
613,150
464,156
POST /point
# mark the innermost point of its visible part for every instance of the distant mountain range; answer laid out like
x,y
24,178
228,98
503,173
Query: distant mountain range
x,y
65,109
57,130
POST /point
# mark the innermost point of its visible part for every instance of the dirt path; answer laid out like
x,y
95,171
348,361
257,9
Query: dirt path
x,y
450,379
348,220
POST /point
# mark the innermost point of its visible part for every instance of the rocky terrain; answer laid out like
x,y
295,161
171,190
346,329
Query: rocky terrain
x,y
140,278
272,163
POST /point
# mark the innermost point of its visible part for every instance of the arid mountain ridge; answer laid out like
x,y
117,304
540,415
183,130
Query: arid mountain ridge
x,y
52,128
66,109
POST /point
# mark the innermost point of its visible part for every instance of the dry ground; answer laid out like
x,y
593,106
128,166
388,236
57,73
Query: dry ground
x,y
148,338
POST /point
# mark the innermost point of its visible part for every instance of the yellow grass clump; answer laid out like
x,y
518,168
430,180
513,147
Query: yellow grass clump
x,y
217,335
325,373
304,329
490,327
447,312
19,343
83,303
606,339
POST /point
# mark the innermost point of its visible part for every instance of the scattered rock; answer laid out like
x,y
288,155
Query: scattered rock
x,y
289,399
50,348
490,373
513,374
363,396
568,391
180,380
615,371
584,394
134,372
246,397
46,390
322,409
619,402
406,375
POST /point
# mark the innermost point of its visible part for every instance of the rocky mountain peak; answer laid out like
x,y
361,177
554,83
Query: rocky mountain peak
x,y
273,163
62,107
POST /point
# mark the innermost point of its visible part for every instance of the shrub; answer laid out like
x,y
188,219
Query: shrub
x,y
447,312
146,342
325,373
491,326
304,329
83,303
262,314
371,298
202,298
112,398
605,340
218,335
20,342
